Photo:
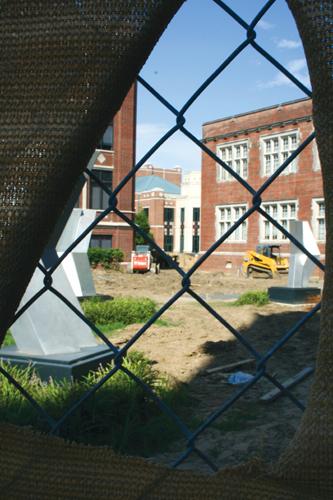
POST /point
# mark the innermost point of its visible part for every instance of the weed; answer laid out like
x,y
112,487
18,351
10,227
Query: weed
x,y
119,414
8,340
256,298
119,325
164,322
111,327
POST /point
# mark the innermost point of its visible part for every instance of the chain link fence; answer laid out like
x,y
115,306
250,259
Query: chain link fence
x,y
119,353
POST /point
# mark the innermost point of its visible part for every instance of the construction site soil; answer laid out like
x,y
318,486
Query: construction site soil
x,y
191,341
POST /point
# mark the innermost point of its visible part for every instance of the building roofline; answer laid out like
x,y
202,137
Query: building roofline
x,y
148,183
150,166
258,110
259,128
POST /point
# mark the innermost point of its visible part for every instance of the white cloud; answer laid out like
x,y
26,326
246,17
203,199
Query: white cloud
x,y
147,131
178,150
289,44
265,25
297,67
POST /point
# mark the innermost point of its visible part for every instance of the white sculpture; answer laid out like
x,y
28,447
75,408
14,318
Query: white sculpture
x,y
76,264
49,327
300,266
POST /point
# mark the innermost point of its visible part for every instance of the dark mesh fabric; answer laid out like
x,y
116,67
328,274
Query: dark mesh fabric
x,y
42,154
65,67
310,455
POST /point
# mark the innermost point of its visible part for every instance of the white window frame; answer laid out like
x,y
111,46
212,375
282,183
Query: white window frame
x,y
231,155
277,156
230,221
315,157
316,217
275,236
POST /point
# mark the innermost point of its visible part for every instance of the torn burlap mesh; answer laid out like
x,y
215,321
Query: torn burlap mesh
x,y
65,67
310,455
35,466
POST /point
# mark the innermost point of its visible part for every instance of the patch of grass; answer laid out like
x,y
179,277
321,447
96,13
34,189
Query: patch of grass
x,y
256,298
111,327
125,310
164,322
119,414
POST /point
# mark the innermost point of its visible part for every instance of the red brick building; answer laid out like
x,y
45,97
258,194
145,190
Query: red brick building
x,y
156,192
255,144
173,175
114,158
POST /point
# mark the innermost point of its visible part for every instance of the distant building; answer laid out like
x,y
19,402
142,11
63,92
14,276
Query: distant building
x,y
255,144
115,156
173,175
173,208
157,196
187,220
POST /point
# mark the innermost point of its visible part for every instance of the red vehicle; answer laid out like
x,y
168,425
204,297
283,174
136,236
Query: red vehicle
x,y
141,259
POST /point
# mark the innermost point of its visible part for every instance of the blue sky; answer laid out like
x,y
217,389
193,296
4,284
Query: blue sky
x,y
195,43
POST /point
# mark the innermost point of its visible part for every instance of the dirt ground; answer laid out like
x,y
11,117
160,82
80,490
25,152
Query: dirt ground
x,y
191,340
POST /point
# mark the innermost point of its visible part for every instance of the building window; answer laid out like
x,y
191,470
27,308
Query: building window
x,y
99,199
227,215
276,149
101,241
146,211
196,214
196,230
107,140
168,242
168,229
236,156
169,214
318,219
182,229
181,245
282,212
195,243
315,156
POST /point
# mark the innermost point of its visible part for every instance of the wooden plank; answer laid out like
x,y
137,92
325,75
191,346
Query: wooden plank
x,y
230,367
276,393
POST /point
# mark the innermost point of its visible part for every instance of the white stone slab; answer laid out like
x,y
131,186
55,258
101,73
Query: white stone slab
x,y
76,264
49,326
300,266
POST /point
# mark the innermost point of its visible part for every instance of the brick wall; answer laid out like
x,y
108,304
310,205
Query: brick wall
x,y
120,160
173,175
302,186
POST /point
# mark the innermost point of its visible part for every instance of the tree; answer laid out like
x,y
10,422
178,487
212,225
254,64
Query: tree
x,y
141,220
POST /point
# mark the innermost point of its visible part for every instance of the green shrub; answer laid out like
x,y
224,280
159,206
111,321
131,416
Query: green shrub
x,y
8,340
126,310
119,414
257,298
107,257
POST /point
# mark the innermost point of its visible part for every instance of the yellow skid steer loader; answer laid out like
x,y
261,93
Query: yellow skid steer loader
x,y
265,259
